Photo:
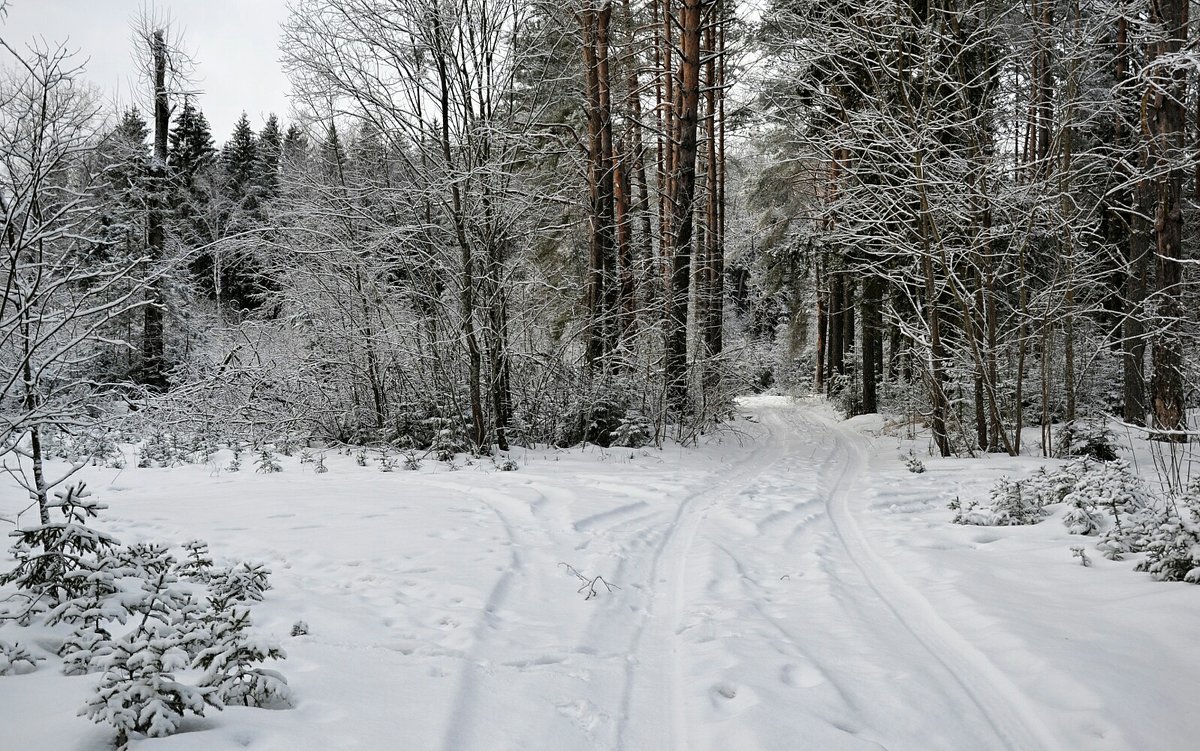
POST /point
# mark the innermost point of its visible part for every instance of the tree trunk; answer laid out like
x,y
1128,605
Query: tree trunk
x,y
1167,119
683,191
153,331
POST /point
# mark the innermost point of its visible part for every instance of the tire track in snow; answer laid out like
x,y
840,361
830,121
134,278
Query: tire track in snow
x,y
647,698
1012,717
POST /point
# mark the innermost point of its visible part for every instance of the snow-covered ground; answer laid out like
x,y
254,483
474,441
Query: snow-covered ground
x,y
786,585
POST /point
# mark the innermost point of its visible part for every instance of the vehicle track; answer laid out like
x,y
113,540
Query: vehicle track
x,y
1008,711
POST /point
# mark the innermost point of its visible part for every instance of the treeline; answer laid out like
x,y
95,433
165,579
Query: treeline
x,y
491,223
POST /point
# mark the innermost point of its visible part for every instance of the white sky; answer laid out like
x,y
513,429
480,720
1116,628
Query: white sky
x,y
234,44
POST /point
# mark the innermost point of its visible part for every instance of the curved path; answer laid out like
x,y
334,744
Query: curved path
x,y
753,613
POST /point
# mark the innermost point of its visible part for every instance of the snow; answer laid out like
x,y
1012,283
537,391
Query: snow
x,y
787,584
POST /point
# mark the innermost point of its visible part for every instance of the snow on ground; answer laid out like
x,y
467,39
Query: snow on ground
x,y
786,585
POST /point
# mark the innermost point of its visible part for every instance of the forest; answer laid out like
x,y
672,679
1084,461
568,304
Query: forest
x,y
500,222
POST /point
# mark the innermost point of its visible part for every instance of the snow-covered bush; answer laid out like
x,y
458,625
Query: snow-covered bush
x,y
56,561
1108,499
913,464
139,693
161,449
137,620
230,663
267,463
1173,544
243,582
446,444
1088,437
1011,502
633,431
197,563
16,660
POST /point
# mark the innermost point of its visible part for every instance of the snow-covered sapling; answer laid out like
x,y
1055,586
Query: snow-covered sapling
x,y
267,463
360,457
320,469
913,464
138,692
16,660
230,664
241,583
1078,551
1173,548
55,559
197,562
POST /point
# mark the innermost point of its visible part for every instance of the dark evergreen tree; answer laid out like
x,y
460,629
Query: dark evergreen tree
x,y
295,148
332,156
240,160
270,150
191,146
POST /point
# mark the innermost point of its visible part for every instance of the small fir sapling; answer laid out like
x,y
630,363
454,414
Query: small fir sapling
x,y
1088,437
267,463
299,628
241,583
16,660
633,431
197,562
1123,502
1078,551
360,458
86,649
320,468
913,464
138,692
235,464
387,464
54,560
411,462
306,456
1011,502
230,662
1173,540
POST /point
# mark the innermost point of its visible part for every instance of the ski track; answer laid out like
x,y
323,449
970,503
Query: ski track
x,y
753,612
658,665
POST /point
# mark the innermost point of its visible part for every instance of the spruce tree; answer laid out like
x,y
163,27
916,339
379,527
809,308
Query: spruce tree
x,y
270,150
191,146
295,148
240,157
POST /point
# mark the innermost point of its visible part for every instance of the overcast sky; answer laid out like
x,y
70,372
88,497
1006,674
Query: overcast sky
x,y
234,43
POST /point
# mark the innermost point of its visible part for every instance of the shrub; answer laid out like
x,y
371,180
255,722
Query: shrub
x,y
1088,437
1173,547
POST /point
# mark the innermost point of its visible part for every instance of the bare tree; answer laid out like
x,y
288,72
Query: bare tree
x,y
60,291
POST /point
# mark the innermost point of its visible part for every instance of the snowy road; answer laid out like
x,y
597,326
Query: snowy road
x,y
786,586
